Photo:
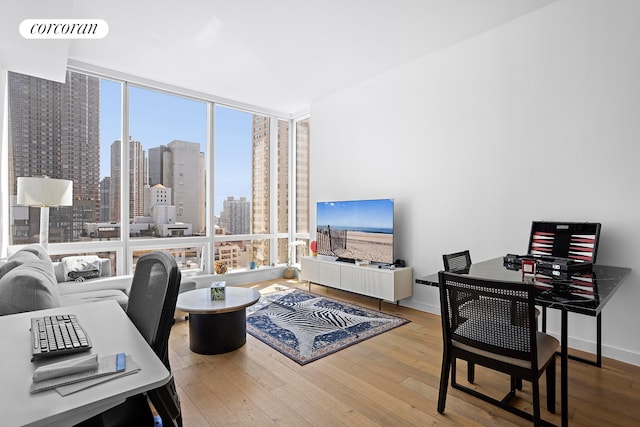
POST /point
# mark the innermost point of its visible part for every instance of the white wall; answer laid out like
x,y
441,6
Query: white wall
x,y
538,119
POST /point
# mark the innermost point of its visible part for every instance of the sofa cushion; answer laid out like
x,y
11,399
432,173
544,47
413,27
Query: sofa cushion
x,y
93,296
186,285
27,287
119,283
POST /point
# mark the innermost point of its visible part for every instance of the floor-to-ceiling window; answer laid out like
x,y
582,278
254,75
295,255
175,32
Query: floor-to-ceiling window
x,y
166,151
57,130
283,197
249,163
54,132
150,192
301,178
166,147
233,188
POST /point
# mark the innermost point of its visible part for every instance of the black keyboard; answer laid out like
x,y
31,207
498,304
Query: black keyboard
x,y
57,335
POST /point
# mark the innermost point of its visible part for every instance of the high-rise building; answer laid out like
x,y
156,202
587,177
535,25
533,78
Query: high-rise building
x,y
54,130
282,189
236,215
137,179
261,159
303,141
261,179
179,165
105,191
156,170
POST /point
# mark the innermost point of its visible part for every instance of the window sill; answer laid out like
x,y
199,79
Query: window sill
x,y
236,277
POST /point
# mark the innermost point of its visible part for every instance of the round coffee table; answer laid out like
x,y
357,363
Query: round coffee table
x,y
217,327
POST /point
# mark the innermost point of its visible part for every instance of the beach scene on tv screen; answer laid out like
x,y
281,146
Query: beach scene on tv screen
x,y
357,229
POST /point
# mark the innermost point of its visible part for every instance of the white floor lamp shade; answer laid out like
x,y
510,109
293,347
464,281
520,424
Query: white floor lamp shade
x,y
44,192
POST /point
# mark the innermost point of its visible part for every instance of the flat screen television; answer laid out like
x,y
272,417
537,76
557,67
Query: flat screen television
x,y
356,230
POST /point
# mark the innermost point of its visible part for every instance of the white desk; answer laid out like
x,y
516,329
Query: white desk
x,y
110,331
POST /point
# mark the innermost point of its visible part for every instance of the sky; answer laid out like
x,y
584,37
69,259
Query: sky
x,y
157,119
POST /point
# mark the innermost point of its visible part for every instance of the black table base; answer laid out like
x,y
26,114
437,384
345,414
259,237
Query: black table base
x,y
217,333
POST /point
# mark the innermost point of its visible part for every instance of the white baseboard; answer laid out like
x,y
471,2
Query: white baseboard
x,y
607,351
421,306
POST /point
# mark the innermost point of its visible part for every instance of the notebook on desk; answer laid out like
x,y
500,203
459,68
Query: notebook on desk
x,y
106,369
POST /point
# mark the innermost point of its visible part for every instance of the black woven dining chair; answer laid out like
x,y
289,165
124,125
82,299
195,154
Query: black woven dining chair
x,y
460,262
504,339
457,261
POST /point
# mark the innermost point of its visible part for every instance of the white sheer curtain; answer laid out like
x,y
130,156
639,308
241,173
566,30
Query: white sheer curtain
x,y
4,164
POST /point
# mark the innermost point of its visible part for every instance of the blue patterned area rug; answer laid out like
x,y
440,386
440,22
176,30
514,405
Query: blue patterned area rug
x,y
306,327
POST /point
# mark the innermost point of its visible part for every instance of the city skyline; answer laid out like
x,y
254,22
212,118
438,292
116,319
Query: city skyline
x,y
157,119
73,131
42,112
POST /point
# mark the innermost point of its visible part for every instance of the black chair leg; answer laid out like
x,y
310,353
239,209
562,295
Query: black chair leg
x,y
444,381
535,390
453,371
551,386
516,384
471,372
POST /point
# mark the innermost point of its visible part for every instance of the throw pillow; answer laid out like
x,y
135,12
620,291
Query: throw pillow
x,y
81,268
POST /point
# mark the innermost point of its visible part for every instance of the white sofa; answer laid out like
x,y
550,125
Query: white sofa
x,y
29,280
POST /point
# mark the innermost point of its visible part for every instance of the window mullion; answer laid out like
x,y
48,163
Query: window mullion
x,y
127,263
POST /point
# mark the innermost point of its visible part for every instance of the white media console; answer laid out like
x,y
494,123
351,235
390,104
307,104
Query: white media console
x,y
382,283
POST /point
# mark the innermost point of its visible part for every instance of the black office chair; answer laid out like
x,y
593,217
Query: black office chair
x,y
505,339
152,303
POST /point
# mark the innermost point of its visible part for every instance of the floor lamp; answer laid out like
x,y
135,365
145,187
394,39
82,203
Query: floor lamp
x,y
44,192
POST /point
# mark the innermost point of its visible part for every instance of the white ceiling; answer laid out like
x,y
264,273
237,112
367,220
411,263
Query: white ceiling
x,y
279,54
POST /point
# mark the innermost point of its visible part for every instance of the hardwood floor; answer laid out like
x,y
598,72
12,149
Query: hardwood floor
x,y
389,380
